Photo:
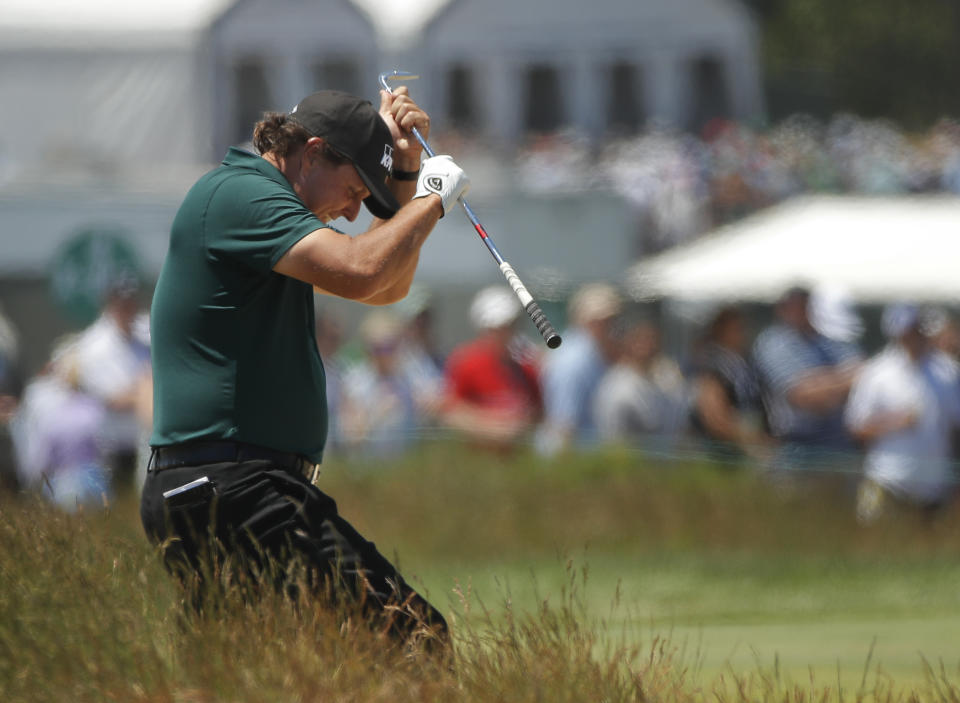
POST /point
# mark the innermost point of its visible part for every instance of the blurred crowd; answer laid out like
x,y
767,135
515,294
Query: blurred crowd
x,y
801,396
798,399
76,432
683,184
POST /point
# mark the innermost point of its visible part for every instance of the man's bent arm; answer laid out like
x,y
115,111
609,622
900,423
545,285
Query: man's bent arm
x,y
396,292
376,266
823,389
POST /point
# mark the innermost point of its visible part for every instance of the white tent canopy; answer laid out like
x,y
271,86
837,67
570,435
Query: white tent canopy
x,y
878,249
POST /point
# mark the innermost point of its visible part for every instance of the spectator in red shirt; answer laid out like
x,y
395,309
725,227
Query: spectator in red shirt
x,y
492,388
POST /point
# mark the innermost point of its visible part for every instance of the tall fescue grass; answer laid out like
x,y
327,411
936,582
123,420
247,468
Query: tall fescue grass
x,y
87,612
521,504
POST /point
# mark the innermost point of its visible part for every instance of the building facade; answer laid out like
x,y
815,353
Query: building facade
x,y
506,68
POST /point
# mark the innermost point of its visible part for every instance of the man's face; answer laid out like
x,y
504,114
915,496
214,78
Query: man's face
x,y
601,329
793,311
328,190
915,342
733,334
124,310
643,343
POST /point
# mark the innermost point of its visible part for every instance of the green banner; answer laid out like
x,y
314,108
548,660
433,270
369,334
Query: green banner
x,y
85,266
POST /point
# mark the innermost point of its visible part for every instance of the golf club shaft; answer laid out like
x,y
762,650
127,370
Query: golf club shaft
x,y
530,305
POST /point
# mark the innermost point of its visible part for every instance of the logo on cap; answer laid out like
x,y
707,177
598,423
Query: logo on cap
x,y
387,160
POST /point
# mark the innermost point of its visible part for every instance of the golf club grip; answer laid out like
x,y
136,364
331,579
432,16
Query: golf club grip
x,y
549,334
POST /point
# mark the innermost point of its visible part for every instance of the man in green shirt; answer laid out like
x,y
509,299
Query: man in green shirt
x,y
240,410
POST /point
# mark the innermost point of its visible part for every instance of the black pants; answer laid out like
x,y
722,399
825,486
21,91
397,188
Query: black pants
x,y
277,527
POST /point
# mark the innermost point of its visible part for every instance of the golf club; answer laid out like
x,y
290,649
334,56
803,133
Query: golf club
x,y
543,325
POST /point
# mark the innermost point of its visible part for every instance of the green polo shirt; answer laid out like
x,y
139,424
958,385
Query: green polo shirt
x,y
234,353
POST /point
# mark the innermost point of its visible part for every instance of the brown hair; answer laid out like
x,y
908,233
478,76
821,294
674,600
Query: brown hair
x,y
278,134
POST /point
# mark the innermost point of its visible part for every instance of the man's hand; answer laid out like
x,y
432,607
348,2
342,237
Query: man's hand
x,y
402,114
439,175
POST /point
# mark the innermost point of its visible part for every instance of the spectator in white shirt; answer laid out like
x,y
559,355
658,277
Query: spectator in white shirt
x,y
113,366
642,398
904,407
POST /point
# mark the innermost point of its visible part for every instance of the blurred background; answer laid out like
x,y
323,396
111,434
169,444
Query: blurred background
x,y
741,214
594,140
692,154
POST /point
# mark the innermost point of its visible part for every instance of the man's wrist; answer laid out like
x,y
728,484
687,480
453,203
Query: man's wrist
x,y
403,175
440,176
433,201
439,201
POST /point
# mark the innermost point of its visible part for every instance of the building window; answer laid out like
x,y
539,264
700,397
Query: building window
x,y
461,102
625,106
710,96
251,97
337,74
544,109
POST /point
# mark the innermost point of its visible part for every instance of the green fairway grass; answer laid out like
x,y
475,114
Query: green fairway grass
x,y
817,619
595,577
897,649
741,576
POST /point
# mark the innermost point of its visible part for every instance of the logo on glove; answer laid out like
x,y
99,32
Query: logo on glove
x,y
435,183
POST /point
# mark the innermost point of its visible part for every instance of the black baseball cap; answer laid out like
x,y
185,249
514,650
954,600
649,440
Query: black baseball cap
x,y
354,128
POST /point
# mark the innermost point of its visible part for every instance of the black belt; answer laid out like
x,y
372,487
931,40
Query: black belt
x,y
222,451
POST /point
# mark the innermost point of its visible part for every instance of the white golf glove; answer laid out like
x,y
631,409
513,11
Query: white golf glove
x,y
441,176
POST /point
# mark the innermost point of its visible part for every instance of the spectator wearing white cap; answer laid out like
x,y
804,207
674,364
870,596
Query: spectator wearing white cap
x,y
806,361
904,407
572,373
492,388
